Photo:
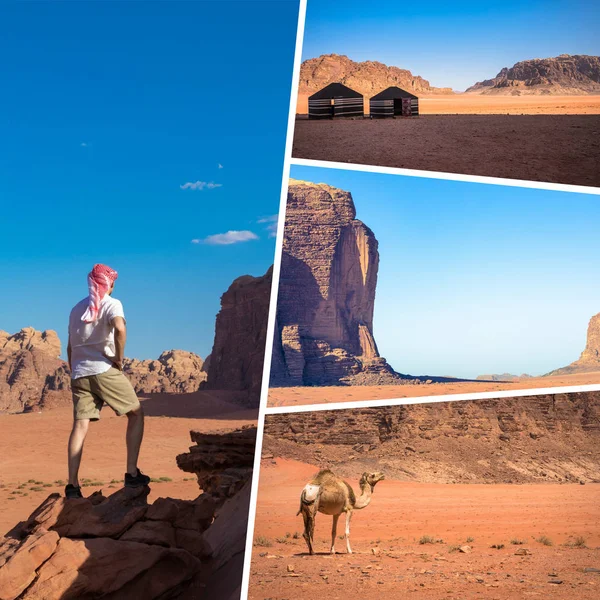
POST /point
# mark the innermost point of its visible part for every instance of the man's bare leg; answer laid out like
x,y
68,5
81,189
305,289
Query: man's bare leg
x,y
75,450
135,434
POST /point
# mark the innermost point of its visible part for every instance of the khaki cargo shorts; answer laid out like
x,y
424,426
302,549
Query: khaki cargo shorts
x,y
111,387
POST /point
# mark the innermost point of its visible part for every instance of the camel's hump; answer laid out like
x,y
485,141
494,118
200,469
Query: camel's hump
x,y
323,476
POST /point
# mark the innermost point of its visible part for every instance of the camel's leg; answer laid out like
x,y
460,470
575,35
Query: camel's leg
x,y
309,528
333,532
348,517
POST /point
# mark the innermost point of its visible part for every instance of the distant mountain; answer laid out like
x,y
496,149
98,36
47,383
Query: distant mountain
x,y
589,361
368,78
34,377
562,75
503,377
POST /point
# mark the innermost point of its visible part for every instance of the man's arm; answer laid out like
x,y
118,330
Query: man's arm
x,y
69,353
120,339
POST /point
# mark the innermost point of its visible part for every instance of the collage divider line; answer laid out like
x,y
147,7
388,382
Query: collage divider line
x,y
520,183
264,409
273,299
277,410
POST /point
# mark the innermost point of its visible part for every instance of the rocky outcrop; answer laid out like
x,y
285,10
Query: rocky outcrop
x,y
105,546
236,360
368,78
547,438
324,327
122,546
222,461
589,361
562,75
174,372
32,375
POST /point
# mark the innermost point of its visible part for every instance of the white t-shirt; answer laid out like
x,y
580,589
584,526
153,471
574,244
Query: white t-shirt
x,y
93,344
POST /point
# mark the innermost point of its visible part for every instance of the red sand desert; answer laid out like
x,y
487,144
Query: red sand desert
x,y
294,396
33,449
545,147
473,104
388,560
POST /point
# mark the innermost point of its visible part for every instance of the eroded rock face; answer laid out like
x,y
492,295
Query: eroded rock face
x,y
324,329
564,74
548,438
589,361
32,375
368,78
236,360
175,372
222,461
94,546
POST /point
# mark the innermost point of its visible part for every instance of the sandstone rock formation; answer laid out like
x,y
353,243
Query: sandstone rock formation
x,y
222,461
589,361
32,375
105,546
562,75
547,438
324,328
175,372
121,546
236,360
368,78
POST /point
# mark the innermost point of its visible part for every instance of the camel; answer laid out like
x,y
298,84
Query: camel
x,y
331,495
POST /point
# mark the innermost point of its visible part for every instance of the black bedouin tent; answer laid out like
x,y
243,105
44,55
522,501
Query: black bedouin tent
x,y
392,102
335,100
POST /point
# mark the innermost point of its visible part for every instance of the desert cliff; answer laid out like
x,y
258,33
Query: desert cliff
x,y
236,360
368,77
589,361
538,439
561,75
324,328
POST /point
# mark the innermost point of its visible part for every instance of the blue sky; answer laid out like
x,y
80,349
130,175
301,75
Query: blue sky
x,y
108,110
476,279
452,44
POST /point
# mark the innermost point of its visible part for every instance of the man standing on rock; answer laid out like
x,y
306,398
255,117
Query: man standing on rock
x,y
97,335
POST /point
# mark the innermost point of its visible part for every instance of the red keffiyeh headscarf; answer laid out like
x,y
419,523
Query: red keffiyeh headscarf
x,y
100,280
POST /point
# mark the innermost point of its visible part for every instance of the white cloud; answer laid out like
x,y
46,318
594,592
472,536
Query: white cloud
x,y
271,222
269,219
231,237
200,185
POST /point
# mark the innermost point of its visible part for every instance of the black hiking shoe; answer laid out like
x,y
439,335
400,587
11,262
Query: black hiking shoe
x,y
136,480
73,491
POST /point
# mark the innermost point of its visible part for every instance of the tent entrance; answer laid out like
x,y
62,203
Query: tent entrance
x,y
397,106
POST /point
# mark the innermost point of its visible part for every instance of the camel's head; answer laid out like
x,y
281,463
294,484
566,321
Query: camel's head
x,y
371,478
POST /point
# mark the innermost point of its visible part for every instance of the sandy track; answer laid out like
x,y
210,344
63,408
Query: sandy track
x,y
33,446
401,513
490,105
550,148
295,396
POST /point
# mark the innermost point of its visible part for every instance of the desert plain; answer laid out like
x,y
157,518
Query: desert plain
x,y
33,448
296,396
536,138
408,540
